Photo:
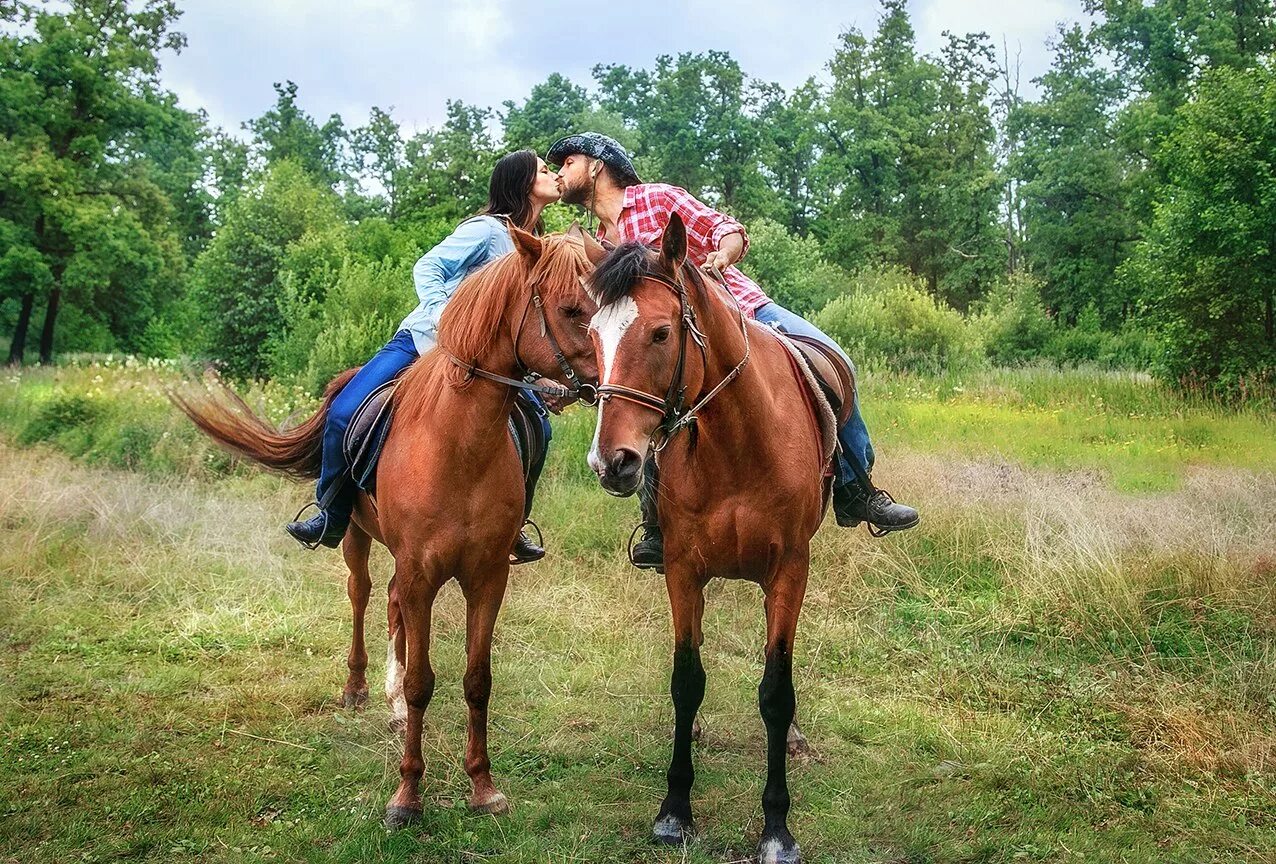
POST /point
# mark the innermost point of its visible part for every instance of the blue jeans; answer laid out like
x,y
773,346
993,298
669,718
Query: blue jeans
x,y
335,490
855,462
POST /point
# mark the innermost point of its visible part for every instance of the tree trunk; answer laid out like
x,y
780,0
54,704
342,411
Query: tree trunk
x,y
46,336
19,344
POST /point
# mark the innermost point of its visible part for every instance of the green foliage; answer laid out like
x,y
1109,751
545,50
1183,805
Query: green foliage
x,y
1075,188
791,269
99,197
446,171
1208,265
59,414
1014,324
889,320
287,219
551,110
287,133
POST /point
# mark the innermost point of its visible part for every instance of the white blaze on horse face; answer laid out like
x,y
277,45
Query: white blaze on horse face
x,y
610,323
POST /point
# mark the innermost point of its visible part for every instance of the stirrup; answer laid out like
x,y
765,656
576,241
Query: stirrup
x,y
540,541
875,531
297,518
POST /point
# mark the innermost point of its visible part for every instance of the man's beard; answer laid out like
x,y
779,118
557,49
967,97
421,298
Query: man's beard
x,y
578,194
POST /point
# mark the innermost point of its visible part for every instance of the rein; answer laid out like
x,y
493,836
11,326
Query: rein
x,y
673,407
586,393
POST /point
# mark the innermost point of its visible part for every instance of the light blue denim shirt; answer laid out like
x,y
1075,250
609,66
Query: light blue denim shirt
x,y
474,243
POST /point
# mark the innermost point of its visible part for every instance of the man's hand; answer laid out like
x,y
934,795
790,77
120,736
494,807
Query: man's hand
x,y
718,260
730,250
555,404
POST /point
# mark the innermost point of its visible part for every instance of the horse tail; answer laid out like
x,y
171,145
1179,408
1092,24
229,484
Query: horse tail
x,y
228,420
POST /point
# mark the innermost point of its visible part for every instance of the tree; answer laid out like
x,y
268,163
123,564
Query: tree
x,y
1075,190
693,126
90,146
551,110
446,171
379,155
1208,265
286,131
236,280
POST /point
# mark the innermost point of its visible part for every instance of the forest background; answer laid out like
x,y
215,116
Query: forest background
x,y
916,206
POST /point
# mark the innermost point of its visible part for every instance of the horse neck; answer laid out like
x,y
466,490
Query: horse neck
x,y
720,321
479,402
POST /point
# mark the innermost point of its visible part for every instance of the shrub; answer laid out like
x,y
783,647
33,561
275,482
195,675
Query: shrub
x,y
890,320
1013,323
792,269
58,414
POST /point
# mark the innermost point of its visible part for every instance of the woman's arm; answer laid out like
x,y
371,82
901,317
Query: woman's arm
x,y
466,247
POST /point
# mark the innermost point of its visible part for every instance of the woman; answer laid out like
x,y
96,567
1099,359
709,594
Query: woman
x,y
520,188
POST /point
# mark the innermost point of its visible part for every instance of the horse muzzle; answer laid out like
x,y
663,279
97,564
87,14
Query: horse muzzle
x,y
620,473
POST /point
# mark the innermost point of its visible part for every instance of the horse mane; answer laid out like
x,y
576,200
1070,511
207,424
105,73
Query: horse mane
x,y
629,262
471,320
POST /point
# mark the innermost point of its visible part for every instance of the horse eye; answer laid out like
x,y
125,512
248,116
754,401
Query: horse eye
x,y
661,335
573,311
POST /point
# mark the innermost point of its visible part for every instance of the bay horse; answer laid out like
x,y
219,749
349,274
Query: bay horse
x,y
717,399
449,487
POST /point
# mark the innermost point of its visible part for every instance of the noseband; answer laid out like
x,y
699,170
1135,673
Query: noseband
x,y
675,415
586,393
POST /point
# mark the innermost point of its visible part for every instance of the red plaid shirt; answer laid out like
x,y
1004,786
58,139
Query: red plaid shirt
x,y
646,213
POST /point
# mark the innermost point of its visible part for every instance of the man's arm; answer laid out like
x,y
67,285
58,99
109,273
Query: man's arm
x,y
730,250
716,231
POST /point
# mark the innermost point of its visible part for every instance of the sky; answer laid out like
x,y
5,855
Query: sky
x,y
411,56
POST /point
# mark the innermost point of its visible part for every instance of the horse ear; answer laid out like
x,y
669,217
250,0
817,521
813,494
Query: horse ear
x,y
527,245
673,244
593,249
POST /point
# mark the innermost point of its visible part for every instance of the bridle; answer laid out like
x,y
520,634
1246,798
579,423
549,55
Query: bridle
x,y
576,389
675,413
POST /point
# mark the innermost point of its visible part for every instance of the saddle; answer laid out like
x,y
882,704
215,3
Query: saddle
x,y
835,377
370,426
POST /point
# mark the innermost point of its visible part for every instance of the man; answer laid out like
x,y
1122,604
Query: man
x,y
598,174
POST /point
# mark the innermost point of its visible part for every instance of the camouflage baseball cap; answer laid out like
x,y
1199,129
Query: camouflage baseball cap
x,y
596,145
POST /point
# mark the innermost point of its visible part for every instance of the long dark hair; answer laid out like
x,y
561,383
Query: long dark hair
x,y
509,192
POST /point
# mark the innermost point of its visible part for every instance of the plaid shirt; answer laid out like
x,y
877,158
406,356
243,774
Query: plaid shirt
x,y
646,213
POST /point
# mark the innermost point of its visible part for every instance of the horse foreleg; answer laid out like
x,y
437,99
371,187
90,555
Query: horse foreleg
x,y
416,592
355,549
686,600
776,702
483,601
395,657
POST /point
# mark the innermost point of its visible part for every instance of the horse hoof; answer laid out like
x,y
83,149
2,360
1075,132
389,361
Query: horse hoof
x,y
354,699
671,831
400,817
496,805
779,851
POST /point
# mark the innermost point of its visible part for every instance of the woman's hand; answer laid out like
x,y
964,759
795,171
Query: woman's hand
x,y
555,404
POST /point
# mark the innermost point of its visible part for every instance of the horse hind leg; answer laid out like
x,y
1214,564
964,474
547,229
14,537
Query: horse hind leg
x,y
483,603
395,657
355,548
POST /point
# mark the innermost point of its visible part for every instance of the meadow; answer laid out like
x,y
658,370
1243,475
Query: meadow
x,y
1072,658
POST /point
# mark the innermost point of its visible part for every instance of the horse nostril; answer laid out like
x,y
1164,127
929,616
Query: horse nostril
x,y
625,465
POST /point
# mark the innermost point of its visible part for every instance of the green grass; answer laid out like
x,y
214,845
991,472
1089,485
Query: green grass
x,y
1052,667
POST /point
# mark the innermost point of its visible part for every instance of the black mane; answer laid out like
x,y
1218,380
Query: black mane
x,y
621,270
625,265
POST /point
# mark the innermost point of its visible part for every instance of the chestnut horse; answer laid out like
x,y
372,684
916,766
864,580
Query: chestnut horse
x,y
742,461
449,498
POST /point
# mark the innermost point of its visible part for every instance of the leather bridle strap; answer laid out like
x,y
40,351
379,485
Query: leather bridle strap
x,y
586,393
671,407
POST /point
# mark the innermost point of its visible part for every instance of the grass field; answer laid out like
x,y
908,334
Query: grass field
x,y
1073,658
